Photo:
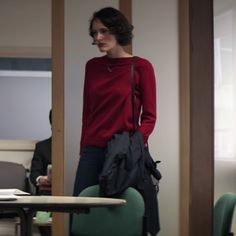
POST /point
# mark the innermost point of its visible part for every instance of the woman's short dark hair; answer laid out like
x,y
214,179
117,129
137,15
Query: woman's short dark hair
x,y
116,22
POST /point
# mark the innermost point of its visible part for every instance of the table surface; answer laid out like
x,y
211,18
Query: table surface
x,y
27,205
65,201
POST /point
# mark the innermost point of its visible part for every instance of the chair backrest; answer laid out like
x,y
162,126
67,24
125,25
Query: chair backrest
x,y
116,221
223,214
12,175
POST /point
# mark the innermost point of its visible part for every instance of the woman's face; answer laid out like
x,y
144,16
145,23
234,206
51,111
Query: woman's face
x,y
105,41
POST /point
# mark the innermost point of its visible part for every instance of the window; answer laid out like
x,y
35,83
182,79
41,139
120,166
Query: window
x,y
25,98
225,85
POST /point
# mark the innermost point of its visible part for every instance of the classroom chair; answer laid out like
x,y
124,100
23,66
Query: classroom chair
x,y
223,214
124,220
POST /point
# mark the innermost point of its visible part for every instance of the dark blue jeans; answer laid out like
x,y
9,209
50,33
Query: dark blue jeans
x,y
89,168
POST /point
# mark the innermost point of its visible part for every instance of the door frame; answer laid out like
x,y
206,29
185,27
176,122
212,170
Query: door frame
x,y
196,117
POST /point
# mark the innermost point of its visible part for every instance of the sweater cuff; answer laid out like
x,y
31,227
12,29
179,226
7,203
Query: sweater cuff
x,y
37,180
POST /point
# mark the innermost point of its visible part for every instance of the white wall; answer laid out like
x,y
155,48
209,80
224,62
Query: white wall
x,y
25,23
156,38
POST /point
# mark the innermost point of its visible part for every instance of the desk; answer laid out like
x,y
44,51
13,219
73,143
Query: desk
x,y
26,206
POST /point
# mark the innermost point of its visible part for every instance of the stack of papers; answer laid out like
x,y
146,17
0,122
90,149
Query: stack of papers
x,y
8,197
12,191
11,194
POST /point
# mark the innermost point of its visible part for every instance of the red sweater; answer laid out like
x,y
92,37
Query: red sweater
x,y
107,107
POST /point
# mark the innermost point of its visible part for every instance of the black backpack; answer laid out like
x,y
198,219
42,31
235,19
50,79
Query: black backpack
x,y
126,165
129,164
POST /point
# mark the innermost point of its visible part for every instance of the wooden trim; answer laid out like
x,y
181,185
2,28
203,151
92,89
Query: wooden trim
x,y
184,117
197,117
17,145
125,6
32,52
58,18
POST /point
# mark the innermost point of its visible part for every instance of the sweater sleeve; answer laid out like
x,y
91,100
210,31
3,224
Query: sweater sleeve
x,y
148,100
85,111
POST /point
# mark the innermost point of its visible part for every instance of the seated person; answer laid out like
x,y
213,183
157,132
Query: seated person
x,y
39,165
38,171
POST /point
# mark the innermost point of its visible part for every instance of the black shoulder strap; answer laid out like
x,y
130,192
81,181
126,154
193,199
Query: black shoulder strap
x,y
133,95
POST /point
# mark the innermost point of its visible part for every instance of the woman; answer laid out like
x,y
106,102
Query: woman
x,y
107,102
